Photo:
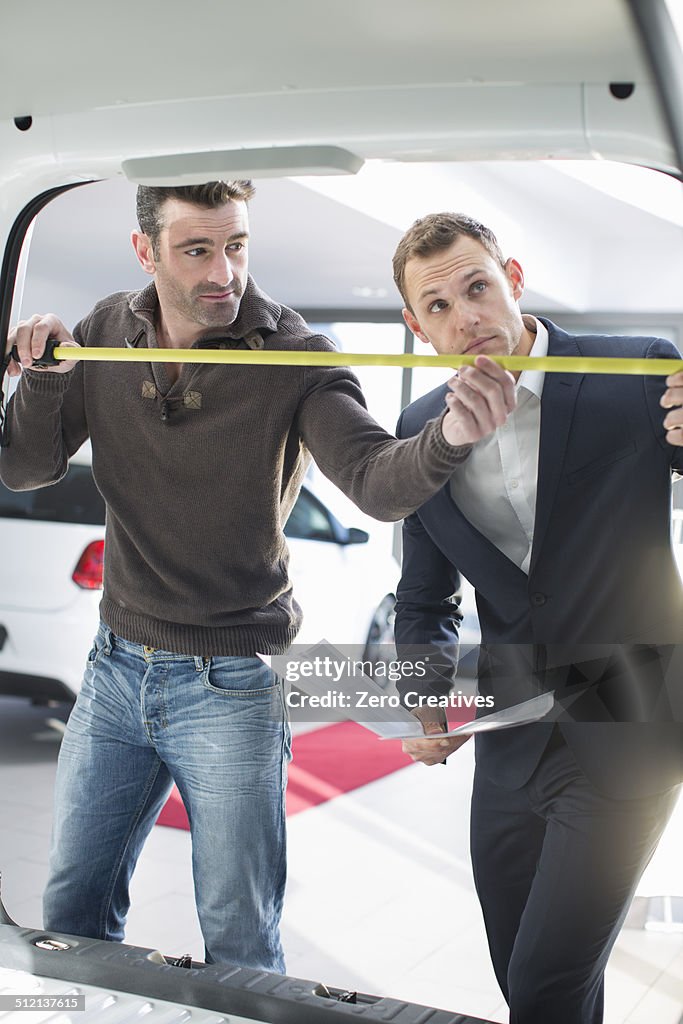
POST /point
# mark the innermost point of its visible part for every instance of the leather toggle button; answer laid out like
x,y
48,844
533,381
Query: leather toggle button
x,y
538,599
192,400
254,340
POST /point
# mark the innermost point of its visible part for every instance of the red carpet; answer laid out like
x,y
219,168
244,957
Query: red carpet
x,y
335,760
326,763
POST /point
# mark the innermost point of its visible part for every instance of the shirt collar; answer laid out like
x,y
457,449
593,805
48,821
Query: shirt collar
x,y
532,380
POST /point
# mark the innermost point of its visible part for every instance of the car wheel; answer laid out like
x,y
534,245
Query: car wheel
x,y
379,646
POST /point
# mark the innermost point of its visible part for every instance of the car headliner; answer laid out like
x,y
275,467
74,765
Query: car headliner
x,y
438,79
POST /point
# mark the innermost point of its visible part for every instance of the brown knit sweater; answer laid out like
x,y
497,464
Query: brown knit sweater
x,y
195,556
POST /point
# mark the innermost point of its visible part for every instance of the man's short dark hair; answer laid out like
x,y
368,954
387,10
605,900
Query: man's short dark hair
x,y
151,198
439,231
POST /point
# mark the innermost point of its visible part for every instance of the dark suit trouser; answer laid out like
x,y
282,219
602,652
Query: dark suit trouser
x,y
556,864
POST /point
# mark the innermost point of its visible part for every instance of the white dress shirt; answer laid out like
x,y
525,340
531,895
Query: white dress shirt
x,y
495,488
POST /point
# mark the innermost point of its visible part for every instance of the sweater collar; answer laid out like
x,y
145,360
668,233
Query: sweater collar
x,y
257,312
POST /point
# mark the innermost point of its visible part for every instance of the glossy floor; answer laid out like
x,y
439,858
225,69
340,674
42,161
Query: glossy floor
x,y
380,896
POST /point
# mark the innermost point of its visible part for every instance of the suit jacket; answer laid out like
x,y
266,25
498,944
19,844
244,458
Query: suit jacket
x,y
601,611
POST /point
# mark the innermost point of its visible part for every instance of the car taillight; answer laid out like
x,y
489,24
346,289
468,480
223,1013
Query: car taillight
x,y
88,572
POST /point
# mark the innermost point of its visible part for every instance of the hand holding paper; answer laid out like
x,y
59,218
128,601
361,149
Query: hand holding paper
x,y
434,746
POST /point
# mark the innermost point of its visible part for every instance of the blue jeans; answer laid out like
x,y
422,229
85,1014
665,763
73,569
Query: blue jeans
x,y
217,727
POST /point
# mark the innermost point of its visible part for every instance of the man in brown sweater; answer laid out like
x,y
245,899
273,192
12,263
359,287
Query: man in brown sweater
x,y
199,466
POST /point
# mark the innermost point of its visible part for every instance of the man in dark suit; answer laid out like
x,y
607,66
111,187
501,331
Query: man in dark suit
x,y
560,519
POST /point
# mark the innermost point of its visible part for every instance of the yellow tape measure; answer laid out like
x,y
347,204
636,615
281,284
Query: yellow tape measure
x,y
545,364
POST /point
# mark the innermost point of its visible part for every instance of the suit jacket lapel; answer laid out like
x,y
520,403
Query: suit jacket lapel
x,y
560,391
473,553
451,530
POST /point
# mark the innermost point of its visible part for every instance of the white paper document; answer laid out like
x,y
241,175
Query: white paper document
x,y
519,714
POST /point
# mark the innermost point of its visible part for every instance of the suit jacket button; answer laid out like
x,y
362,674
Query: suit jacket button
x,y
538,599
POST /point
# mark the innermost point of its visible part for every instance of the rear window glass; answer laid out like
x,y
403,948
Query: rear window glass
x,y
308,520
75,499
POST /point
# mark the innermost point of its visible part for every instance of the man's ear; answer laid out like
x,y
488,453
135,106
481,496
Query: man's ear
x,y
144,251
515,276
413,326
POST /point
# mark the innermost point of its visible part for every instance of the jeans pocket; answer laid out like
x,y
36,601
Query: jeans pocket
x,y
101,643
239,677
95,650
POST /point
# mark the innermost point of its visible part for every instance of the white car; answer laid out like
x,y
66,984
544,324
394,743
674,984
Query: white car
x,y
52,541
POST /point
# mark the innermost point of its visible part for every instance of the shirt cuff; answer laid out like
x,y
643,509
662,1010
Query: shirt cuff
x,y
45,382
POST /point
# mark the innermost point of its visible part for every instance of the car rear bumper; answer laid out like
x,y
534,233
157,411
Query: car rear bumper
x,y
38,688
44,653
